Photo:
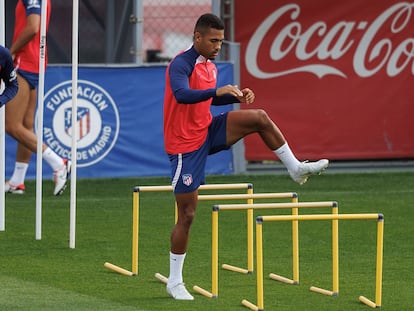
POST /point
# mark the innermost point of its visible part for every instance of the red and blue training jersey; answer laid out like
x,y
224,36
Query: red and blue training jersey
x,y
190,90
27,58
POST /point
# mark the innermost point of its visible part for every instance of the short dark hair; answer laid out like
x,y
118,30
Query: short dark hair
x,y
207,21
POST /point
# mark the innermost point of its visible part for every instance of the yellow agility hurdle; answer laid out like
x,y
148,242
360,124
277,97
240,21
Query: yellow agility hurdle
x,y
294,207
250,239
135,219
250,196
259,252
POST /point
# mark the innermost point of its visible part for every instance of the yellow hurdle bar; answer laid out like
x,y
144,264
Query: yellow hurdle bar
x,y
319,217
214,261
335,254
259,252
161,278
251,207
295,244
235,186
203,292
249,305
226,207
135,230
335,262
250,196
295,205
214,255
235,269
118,269
202,187
259,271
259,263
250,219
135,214
244,196
281,279
378,285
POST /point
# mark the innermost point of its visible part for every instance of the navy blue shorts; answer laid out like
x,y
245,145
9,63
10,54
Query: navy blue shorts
x,y
188,169
31,78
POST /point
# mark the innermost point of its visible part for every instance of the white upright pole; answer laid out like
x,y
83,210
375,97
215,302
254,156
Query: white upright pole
x,y
75,33
2,132
40,97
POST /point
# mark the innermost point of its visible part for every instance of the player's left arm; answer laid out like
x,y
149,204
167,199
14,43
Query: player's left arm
x,y
28,33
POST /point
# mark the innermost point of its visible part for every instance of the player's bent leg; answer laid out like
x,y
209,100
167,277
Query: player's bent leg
x,y
241,123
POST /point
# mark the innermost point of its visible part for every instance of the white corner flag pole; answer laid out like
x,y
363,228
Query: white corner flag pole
x,y
40,97
75,33
2,132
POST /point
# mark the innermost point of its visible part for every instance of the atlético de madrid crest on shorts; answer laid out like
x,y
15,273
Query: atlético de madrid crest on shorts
x,y
187,179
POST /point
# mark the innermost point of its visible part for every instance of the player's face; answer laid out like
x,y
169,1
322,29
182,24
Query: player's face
x,y
209,44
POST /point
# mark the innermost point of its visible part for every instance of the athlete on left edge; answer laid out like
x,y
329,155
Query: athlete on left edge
x,y
8,76
20,110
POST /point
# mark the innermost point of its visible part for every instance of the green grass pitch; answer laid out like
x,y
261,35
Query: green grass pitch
x,y
47,275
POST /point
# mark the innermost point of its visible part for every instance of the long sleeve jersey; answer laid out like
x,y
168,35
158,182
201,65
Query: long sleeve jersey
x,y
8,76
190,90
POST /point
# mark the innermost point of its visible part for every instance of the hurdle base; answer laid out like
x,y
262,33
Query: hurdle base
x,y
250,305
235,269
323,291
282,279
118,269
203,292
161,278
368,302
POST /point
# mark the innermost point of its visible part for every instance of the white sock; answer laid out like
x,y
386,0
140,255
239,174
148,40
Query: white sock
x,y
176,269
52,159
287,157
19,173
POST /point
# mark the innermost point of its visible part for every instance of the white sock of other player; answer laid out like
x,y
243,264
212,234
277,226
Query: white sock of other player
x,y
52,159
19,173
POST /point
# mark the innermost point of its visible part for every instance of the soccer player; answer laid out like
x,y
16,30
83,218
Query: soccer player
x,y
20,110
191,133
8,76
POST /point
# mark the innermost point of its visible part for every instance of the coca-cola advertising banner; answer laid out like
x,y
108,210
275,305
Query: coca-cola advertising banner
x,y
336,76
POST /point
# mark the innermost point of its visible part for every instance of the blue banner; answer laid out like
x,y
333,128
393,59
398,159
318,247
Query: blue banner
x,y
119,122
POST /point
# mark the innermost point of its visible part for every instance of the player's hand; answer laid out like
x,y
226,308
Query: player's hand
x,y
247,97
230,90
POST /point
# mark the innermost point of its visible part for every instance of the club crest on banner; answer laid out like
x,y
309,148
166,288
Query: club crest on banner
x,y
96,127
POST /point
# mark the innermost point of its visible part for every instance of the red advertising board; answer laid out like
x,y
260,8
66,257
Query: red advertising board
x,y
336,76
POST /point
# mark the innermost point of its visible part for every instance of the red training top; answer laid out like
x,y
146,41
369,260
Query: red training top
x,y
27,58
189,92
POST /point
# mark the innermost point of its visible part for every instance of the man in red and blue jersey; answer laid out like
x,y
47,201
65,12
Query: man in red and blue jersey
x,y
20,110
8,76
191,133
